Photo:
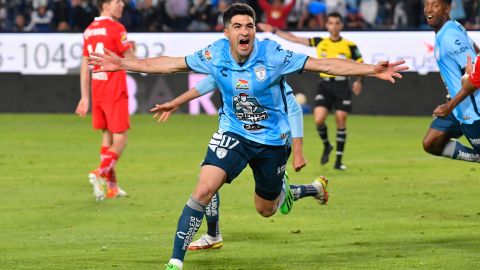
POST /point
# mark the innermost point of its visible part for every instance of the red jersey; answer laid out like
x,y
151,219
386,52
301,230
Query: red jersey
x,y
475,75
102,33
276,16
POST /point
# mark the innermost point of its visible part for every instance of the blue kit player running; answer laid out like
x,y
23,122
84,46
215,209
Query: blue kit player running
x,y
253,122
213,238
452,45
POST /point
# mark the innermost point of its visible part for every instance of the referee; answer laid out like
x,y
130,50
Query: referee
x,y
333,92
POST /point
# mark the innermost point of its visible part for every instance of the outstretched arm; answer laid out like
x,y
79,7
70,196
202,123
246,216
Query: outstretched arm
x,y
161,64
283,34
342,67
163,111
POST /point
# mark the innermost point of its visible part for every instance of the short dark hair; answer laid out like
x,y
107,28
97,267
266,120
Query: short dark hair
x,y
338,15
238,9
101,2
448,2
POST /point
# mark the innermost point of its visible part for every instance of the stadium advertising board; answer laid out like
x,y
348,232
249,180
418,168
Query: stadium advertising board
x,y
58,53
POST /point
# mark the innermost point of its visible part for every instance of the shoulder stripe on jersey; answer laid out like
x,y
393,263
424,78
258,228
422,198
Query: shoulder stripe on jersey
x,y
474,103
282,91
303,66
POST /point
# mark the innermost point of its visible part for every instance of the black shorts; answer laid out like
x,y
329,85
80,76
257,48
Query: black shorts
x,y
334,95
232,153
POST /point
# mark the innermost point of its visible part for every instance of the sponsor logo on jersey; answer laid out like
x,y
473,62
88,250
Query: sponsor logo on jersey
x,y
253,127
242,85
260,73
466,117
100,76
208,55
248,109
123,38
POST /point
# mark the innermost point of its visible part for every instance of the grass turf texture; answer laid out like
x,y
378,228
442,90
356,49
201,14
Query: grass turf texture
x,y
395,207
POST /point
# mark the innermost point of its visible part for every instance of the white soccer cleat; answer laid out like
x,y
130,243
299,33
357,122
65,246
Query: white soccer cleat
x,y
320,184
206,242
98,185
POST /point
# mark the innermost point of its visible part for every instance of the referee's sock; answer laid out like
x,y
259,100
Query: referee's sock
x,y
323,133
341,140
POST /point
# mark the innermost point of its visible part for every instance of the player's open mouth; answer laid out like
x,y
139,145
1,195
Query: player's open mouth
x,y
244,43
429,18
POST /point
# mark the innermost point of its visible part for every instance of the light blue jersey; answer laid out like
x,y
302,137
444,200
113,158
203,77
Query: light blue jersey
x,y
294,110
452,45
253,94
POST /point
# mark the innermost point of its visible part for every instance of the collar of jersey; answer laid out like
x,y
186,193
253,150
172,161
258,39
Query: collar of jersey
x,y
249,62
103,18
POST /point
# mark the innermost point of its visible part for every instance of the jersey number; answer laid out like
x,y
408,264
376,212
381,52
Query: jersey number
x,y
98,48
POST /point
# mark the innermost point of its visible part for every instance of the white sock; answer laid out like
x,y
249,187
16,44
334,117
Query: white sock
x,y
281,198
176,262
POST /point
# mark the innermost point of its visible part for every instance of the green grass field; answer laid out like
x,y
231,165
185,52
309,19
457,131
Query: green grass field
x,y
395,207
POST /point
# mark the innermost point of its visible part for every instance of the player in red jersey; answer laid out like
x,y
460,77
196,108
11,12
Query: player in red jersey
x,y
470,84
109,95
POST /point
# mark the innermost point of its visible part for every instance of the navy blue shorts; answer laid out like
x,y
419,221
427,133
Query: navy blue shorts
x,y
449,125
472,133
232,153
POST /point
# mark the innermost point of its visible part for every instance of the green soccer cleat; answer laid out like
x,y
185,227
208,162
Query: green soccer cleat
x,y
287,205
170,266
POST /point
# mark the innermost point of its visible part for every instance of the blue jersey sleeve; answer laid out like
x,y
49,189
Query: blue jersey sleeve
x,y
289,61
206,85
201,61
295,115
459,46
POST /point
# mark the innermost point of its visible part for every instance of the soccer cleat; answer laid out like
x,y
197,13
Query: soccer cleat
x,y
170,266
320,184
114,191
326,154
287,205
206,242
340,166
98,185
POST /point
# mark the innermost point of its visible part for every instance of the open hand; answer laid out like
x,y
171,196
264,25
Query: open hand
x,y
389,71
163,111
106,62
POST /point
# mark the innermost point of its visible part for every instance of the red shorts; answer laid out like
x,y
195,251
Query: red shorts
x,y
475,75
112,116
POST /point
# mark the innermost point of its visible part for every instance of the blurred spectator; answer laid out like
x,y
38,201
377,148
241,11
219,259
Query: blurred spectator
x,y
385,13
457,12
201,14
41,18
369,11
3,15
19,24
472,10
177,12
61,10
131,17
298,14
218,15
276,13
354,20
339,6
152,14
400,18
82,14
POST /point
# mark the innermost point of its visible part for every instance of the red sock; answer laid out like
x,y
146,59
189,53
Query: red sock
x,y
110,177
107,164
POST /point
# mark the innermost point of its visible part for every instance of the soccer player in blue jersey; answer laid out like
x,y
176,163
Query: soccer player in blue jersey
x,y
243,66
213,238
452,45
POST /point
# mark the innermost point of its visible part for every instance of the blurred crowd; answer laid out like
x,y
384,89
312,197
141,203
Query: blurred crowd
x,y
206,15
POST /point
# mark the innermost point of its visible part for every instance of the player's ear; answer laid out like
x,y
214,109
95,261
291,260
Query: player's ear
x,y
225,32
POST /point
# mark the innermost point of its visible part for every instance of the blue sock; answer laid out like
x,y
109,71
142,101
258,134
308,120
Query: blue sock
x,y
455,150
188,225
300,191
212,215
